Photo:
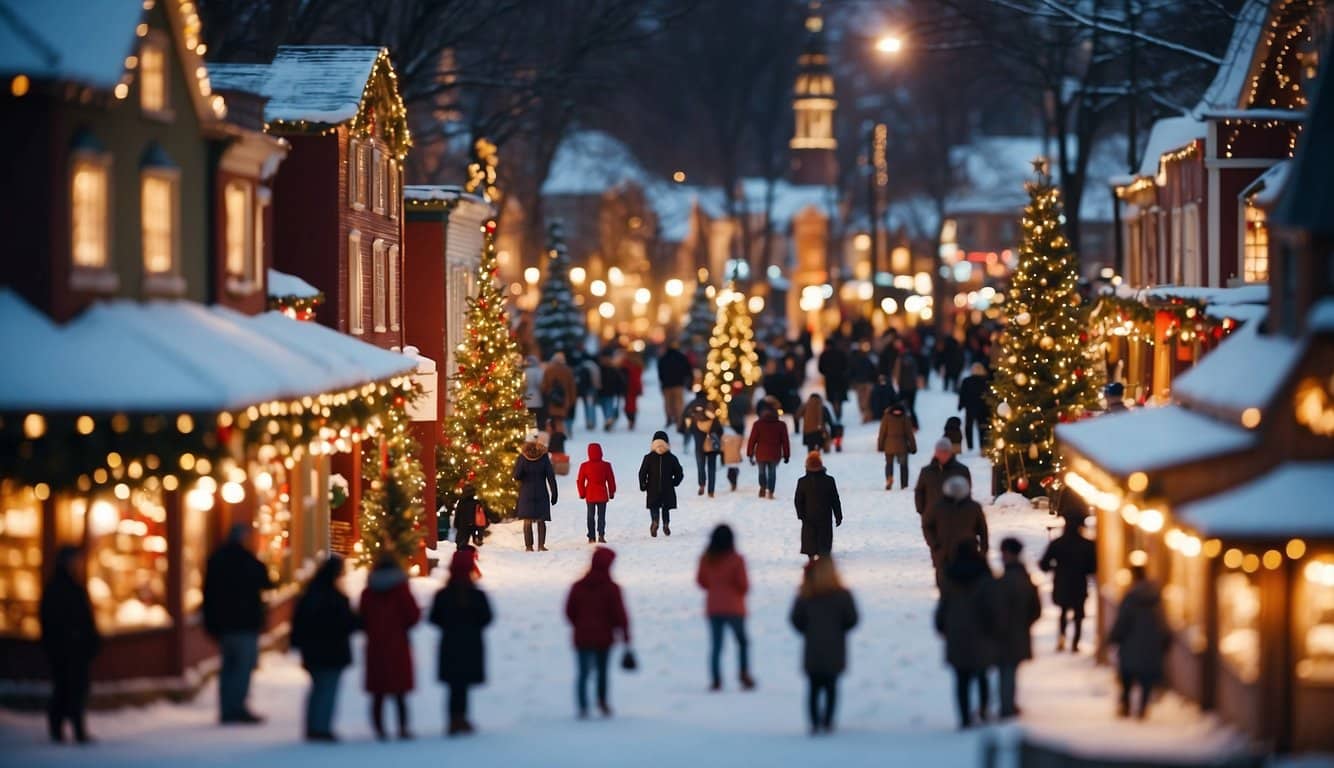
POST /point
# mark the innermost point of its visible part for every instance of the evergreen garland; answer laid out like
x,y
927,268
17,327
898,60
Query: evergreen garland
x,y
391,505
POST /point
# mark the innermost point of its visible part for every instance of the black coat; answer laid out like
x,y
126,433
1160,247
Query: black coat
x,y
461,612
465,515
659,474
819,509
834,367
69,633
674,369
613,381
322,627
825,621
1017,608
1140,633
972,396
1072,559
233,585
860,368
537,486
965,615
931,481
882,396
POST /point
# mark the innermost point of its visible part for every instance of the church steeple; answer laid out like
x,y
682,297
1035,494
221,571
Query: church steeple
x,y
813,103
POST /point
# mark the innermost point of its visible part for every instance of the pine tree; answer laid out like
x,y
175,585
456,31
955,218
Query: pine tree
x,y
732,363
391,506
1045,370
559,324
702,318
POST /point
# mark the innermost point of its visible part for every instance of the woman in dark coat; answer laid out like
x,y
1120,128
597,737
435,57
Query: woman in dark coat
x,y
973,403
659,474
706,429
818,508
537,491
462,611
824,613
70,640
965,618
388,611
1141,636
322,627
1073,559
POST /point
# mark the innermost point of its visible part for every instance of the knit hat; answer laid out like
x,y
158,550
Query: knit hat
x,y
661,435
1115,389
956,487
943,445
813,462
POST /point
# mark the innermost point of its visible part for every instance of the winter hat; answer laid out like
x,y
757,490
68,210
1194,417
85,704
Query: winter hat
x,y
956,487
1115,389
461,566
661,435
943,445
602,558
813,462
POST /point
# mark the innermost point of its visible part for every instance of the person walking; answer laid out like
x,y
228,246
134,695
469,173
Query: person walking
x,y
596,485
559,392
388,611
883,395
818,508
931,480
973,403
234,583
674,375
537,491
816,424
1141,636
596,610
461,611
323,623
896,440
632,371
768,444
707,431
70,641
823,612
659,474
588,378
965,618
722,576
1016,608
470,518
954,520
611,390
532,390
861,375
1071,559
833,364
906,377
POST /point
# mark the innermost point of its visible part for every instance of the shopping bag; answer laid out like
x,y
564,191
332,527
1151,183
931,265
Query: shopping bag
x,y
732,449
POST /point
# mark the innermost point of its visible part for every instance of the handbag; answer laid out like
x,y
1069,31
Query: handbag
x,y
628,661
479,519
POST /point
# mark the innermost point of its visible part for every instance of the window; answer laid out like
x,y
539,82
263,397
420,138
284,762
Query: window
x,y
127,559
381,194
357,178
1255,246
1175,247
273,514
239,234
393,287
377,284
263,196
158,220
395,189
153,92
1239,624
196,544
355,289
1184,598
20,560
1314,609
1190,245
89,214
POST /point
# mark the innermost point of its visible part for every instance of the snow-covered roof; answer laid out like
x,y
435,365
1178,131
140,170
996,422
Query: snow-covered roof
x,y
1321,319
590,162
1242,313
1119,444
1255,293
1229,84
320,84
75,40
788,199
1288,502
1245,371
1264,191
283,285
1168,134
432,192
246,78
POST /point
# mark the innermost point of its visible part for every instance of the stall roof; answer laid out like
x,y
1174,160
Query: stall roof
x,y
350,362
282,285
1245,371
1290,501
1117,442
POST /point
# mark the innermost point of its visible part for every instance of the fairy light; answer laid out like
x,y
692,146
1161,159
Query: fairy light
x,y
733,363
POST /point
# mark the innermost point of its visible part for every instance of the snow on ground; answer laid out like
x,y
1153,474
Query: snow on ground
x,y
895,703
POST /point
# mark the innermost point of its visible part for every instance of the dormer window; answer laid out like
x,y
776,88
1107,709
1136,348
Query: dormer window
x,y
154,95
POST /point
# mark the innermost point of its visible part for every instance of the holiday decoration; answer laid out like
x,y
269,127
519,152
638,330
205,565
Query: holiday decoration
x,y
732,363
391,506
297,307
703,316
558,325
1044,369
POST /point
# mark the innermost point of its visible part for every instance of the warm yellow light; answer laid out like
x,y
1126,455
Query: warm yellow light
x,y
121,90
862,241
926,313
1296,549
1250,563
597,288
531,275
1233,558
1250,418
674,288
1137,482
615,276
34,426
185,424
19,85
1130,514
1139,558
578,275
1191,547
679,177
643,295
888,305
42,491
889,44
1212,547
755,304
233,492
85,424
122,491
607,310
1272,559
1150,520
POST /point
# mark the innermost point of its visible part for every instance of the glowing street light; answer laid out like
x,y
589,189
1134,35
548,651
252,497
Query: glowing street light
x,y
889,44
674,288
531,275
578,275
643,296
607,310
597,288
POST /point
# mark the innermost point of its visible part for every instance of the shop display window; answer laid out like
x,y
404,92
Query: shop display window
x,y
1183,599
197,542
1313,619
127,560
1239,624
273,515
20,561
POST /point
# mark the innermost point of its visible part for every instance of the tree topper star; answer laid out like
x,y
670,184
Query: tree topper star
x,y
1040,165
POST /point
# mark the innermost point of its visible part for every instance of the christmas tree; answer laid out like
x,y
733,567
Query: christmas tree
x,y
559,324
391,506
699,326
488,418
732,362
1045,370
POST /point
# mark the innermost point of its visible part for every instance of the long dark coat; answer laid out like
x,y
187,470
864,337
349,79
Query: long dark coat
x,y
972,396
389,611
825,621
950,522
931,480
673,369
322,626
833,365
462,612
819,509
69,634
233,582
1017,607
537,483
965,615
1140,633
659,474
1072,559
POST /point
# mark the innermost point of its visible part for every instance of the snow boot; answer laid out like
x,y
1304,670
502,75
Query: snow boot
x,y
666,530
592,540
653,529
715,686
604,709
747,682
602,539
701,490
763,492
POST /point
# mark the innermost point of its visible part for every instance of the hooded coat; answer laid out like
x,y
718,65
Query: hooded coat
x,y
461,611
825,621
537,482
931,481
1016,608
819,509
951,521
896,436
388,611
965,615
1140,633
559,376
323,622
596,482
768,439
1072,559
659,474
595,607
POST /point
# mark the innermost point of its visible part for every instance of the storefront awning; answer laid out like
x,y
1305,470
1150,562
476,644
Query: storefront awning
x,y
1291,501
1245,371
1147,439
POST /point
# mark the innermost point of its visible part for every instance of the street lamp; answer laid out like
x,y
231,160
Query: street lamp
x,y
597,288
674,288
889,44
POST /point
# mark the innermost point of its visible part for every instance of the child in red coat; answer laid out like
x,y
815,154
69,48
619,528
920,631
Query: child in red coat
x,y
596,484
388,611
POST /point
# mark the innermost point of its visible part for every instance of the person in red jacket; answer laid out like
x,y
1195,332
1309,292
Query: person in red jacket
x,y
596,610
722,576
768,443
596,484
388,611
633,368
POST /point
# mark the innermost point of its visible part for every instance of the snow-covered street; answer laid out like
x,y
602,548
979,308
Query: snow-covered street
x,y
895,703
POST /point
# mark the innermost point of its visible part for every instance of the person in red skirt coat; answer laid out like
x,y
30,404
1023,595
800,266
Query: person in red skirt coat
x,y
388,611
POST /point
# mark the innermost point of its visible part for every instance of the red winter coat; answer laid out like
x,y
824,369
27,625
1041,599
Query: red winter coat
x,y
768,439
595,607
596,481
634,385
388,611
725,584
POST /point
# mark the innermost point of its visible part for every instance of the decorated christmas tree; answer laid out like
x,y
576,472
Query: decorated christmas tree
x,y
391,505
1045,370
488,418
559,324
702,317
732,363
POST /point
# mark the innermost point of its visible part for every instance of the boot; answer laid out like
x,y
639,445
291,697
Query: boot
x,y
591,540
747,682
763,492
653,529
604,709
542,536
715,686
701,490
771,493
1060,643
455,726
602,539
666,530
732,477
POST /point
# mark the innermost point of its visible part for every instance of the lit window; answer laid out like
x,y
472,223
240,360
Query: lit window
x,y
261,213
158,219
357,176
153,76
239,231
355,289
1255,247
20,560
378,250
88,211
393,287
378,186
127,560
395,191
1239,603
